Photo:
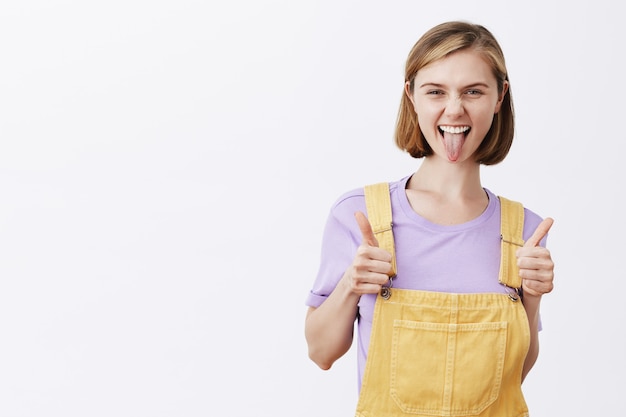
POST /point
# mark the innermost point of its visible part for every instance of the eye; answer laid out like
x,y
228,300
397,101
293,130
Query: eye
x,y
434,92
474,92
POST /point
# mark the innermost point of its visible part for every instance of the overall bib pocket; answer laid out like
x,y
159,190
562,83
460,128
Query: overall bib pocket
x,y
460,376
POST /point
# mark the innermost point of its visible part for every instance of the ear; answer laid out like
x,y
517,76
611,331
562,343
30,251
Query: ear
x,y
407,91
505,88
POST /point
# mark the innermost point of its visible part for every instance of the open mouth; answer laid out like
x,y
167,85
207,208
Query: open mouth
x,y
453,138
455,130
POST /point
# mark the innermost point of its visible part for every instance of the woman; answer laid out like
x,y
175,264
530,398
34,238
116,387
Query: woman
x,y
458,334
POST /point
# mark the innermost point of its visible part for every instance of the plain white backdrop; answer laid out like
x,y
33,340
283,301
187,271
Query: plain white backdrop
x,y
166,168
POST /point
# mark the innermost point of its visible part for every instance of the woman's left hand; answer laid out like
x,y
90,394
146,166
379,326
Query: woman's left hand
x,y
535,263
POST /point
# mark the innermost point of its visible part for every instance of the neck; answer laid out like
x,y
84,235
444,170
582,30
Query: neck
x,y
447,179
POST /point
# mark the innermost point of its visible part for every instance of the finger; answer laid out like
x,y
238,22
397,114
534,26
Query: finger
x,y
540,232
366,229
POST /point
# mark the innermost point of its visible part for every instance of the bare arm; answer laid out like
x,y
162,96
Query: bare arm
x,y
531,304
329,328
536,269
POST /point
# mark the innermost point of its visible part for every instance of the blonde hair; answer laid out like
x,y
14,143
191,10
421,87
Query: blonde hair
x,y
437,43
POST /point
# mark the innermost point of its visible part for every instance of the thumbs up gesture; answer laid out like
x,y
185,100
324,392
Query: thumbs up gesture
x,y
536,267
368,272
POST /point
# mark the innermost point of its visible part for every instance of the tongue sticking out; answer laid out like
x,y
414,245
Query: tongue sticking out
x,y
453,143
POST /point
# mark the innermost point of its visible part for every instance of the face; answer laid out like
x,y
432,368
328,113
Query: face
x,y
455,99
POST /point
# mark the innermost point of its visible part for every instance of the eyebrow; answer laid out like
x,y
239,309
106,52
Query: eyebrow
x,y
436,85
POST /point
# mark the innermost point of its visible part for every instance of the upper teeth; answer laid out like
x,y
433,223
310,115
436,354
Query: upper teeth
x,y
454,129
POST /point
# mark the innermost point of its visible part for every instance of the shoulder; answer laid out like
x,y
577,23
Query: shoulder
x,y
349,201
354,199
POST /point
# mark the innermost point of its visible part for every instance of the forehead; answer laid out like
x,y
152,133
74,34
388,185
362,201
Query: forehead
x,y
461,67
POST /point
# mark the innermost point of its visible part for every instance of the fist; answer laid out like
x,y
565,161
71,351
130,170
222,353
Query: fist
x,y
536,267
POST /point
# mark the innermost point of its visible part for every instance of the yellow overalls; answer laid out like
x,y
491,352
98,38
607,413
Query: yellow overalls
x,y
446,354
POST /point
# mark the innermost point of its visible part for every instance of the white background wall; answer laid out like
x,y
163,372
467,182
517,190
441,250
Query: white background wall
x,y
166,168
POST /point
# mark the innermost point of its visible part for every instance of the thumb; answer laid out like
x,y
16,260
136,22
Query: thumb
x,y
366,229
540,233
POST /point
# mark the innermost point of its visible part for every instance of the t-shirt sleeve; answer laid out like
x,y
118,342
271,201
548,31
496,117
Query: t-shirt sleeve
x,y
339,243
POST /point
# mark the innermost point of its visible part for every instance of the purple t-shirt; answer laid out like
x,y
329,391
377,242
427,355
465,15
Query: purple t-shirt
x,y
461,258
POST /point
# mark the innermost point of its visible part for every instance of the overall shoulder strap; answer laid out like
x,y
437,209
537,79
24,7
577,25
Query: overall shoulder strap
x,y
511,229
378,203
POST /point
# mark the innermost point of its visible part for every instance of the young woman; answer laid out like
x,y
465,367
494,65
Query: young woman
x,y
447,321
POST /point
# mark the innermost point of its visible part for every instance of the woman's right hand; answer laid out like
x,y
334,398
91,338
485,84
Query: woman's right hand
x,y
329,328
371,265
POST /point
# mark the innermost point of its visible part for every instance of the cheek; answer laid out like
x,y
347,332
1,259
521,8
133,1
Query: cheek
x,y
423,119
426,112
427,119
484,114
495,107
429,130
488,117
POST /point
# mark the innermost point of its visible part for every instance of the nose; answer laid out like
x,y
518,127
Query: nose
x,y
454,106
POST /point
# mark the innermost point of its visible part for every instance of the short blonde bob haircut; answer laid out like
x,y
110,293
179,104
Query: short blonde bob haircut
x,y
439,42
